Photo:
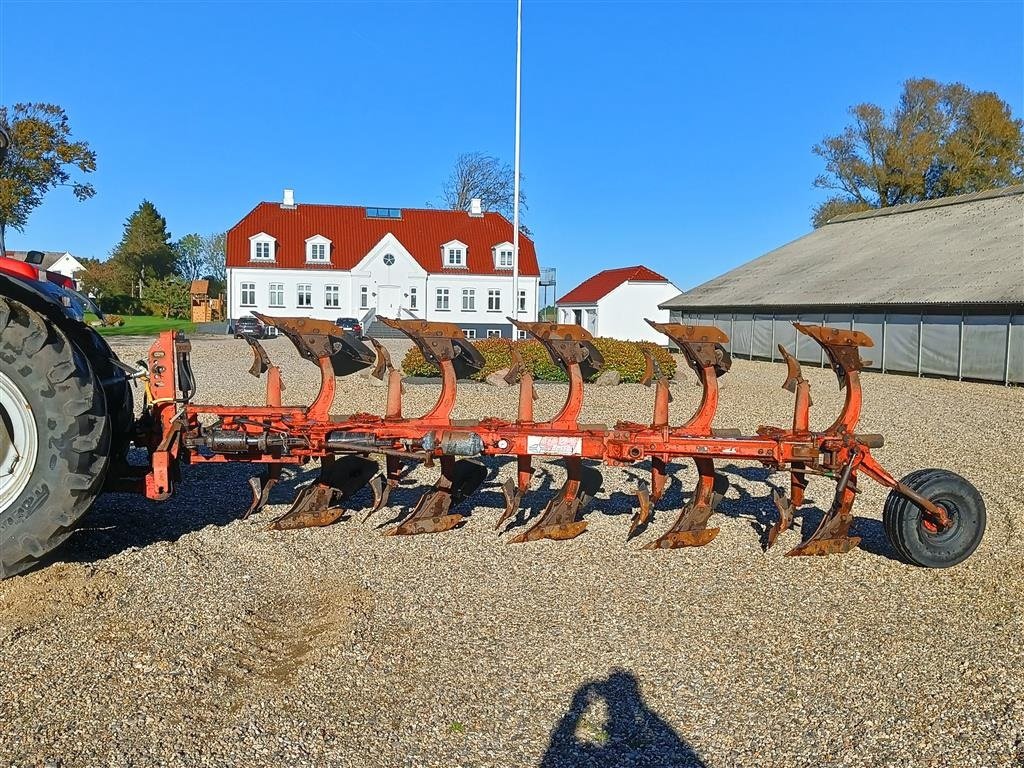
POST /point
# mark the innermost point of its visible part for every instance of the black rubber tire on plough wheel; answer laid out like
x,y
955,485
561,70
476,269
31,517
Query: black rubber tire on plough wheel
x,y
55,439
917,540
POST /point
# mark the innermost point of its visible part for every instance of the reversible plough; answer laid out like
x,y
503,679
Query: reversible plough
x,y
932,517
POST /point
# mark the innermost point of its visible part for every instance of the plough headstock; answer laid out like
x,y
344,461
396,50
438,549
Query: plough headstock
x,y
277,435
439,343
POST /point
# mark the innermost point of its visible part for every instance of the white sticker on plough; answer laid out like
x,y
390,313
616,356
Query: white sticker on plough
x,y
552,445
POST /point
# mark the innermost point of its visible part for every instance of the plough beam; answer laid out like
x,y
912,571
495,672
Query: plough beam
x,y
276,435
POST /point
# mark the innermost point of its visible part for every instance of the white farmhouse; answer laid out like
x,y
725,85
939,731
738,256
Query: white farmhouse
x,y
332,261
615,302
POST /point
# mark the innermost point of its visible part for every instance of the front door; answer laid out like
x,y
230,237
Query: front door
x,y
389,300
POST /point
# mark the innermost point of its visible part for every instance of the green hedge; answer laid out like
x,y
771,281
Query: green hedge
x,y
623,356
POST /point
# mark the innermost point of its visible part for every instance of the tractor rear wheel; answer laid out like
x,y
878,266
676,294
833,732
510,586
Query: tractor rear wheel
x,y
916,538
54,436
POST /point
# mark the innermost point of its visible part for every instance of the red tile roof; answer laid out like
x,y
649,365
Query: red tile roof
x,y
352,234
603,283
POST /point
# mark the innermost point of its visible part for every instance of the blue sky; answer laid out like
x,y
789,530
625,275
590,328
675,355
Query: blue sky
x,y
676,135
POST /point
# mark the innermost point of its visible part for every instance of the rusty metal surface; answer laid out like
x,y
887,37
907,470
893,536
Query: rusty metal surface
x,y
566,344
261,361
702,345
320,503
560,518
319,339
841,346
440,342
459,479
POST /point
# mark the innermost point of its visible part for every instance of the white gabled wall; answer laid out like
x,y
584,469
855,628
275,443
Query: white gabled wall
x,y
388,290
621,312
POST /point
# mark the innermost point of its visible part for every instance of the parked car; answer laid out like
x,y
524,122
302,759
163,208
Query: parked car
x,y
249,325
350,324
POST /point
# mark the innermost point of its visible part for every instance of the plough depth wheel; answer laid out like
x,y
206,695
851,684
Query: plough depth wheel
x,y
920,540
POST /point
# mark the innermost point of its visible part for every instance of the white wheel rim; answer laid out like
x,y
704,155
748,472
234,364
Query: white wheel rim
x,y
19,442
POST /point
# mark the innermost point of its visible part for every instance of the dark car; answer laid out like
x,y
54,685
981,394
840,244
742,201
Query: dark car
x,y
350,324
248,325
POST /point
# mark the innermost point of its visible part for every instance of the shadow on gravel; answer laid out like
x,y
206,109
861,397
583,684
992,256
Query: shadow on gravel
x,y
210,494
629,734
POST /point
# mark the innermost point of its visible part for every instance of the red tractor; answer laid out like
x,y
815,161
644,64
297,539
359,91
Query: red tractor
x,y
65,409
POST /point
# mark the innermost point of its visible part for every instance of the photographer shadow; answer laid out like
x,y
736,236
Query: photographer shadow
x,y
631,735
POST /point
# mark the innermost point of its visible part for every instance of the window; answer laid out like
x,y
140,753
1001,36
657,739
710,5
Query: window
x,y
332,296
453,254
383,213
277,294
442,298
389,259
305,295
494,333
412,298
469,333
248,294
522,301
318,250
494,301
468,300
261,247
364,298
505,259
521,335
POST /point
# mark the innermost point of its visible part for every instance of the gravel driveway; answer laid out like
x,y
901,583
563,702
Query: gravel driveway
x,y
178,634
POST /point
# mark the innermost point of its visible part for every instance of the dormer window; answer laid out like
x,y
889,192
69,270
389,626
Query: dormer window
x,y
502,256
262,247
453,255
318,250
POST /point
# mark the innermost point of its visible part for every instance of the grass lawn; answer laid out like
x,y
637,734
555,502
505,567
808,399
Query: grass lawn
x,y
142,325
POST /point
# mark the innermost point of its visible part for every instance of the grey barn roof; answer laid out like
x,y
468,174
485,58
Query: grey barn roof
x,y
957,250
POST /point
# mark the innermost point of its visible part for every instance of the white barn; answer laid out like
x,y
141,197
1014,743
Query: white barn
x,y
331,261
615,303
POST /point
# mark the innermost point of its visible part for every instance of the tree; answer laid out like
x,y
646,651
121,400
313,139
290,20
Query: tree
x,y
168,296
478,175
105,278
145,249
41,157
939,140
191,262
215,251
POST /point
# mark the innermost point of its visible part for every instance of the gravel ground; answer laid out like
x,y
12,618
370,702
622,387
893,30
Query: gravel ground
x,y
179,634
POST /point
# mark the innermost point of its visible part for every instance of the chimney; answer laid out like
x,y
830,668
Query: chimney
x,y
475,207
289,199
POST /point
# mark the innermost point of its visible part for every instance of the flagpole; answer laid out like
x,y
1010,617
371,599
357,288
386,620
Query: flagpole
x,y
515,165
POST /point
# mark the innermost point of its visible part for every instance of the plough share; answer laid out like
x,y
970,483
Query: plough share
x,y
933,517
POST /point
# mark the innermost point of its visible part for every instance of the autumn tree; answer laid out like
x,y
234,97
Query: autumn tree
x,y
145,249
105,278
483,176
42,156
939,140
